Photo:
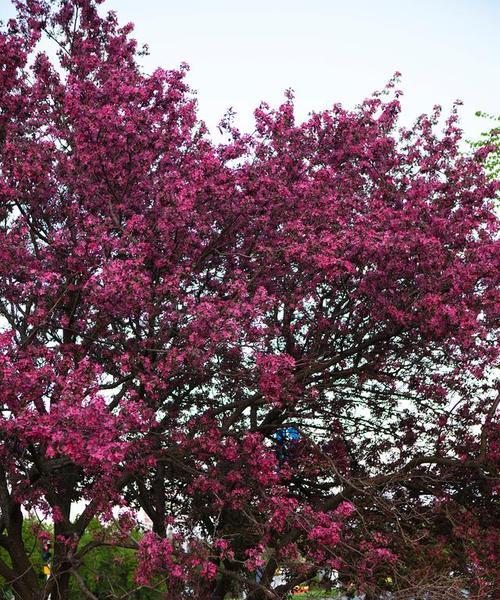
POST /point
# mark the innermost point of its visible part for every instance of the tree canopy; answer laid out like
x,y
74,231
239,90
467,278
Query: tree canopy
x,y
280,347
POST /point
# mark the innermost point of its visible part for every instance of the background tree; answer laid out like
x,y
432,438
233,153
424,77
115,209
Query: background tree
x,y
107,571
172,308
490,139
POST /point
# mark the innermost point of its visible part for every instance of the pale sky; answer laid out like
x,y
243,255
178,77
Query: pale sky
x,y
326,50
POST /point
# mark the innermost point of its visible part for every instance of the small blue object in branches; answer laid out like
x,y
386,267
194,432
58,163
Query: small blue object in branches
x,y
285,439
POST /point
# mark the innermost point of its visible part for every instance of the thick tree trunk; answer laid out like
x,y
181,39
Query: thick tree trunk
x,y
61,565
25,584
60,590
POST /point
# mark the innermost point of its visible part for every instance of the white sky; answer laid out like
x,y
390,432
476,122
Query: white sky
x,y
242,52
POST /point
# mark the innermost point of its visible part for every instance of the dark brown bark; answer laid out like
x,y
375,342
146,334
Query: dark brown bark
x,y
25,582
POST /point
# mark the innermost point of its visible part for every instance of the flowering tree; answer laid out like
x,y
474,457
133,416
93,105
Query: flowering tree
x,y
279,347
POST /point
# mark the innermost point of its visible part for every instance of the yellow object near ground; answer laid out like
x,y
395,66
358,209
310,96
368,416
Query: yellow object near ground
x,y
300,589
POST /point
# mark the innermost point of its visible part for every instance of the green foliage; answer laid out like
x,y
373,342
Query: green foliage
x,y
490,137
315,595
108,571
